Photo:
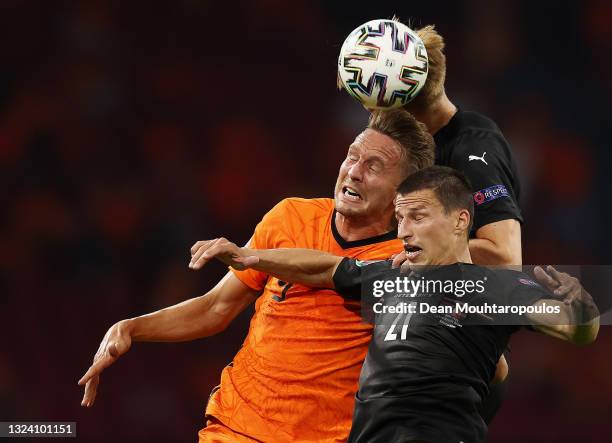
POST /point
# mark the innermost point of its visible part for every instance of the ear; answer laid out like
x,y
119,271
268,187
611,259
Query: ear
x,y
463,222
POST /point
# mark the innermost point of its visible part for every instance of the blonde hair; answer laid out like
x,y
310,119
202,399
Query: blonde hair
x,y
434,86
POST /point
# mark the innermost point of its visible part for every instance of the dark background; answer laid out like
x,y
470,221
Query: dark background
x,y
129,130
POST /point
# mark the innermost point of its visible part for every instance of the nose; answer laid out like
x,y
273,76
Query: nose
x,y
404,230
355,172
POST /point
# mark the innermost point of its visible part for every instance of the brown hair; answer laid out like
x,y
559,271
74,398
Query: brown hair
x,y
450,186
398,124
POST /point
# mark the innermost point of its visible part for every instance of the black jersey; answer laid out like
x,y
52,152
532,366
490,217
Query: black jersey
x,y
425,374
473,144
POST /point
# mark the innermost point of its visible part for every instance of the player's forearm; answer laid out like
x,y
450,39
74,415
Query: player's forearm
x,y
189,320
306,266
497,243
577,323
487,252
585,330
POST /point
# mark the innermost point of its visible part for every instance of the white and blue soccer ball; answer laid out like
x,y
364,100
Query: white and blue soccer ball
x,y
383,64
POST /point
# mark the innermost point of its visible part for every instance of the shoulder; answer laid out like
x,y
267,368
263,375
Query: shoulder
x,y
512,281
474,121
309,204
480,151
470,131
303,207
292,214
304,210
287,220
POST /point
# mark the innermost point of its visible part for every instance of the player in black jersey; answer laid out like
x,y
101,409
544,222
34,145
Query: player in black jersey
x,y
423,382
472,143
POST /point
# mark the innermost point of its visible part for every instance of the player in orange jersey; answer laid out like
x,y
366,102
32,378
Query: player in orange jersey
x,y
295,377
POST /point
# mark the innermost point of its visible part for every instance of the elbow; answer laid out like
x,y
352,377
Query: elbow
x,y
493,253
215,328
498,243
506,256
584,340
216,325
585,335
221,316
212,318
501,371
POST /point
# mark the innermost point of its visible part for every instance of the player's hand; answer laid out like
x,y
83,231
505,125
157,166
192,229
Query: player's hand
x,y
221,249
116,342
562,285
400,260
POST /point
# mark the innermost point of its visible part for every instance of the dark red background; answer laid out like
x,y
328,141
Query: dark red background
x,y
129,130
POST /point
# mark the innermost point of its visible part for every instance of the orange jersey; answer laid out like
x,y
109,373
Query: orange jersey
x,y
295,377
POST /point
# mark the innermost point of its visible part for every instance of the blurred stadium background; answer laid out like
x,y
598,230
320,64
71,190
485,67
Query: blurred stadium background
x,y
129,130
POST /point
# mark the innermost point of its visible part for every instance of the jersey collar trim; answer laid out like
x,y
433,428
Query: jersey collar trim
x,y
447,133
344,244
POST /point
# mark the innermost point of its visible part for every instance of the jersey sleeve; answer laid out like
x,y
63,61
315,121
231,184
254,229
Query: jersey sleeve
x,y
348,279
353,276
524,291
275,230
485,158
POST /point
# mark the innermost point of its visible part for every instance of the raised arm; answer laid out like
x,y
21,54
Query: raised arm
x,y
198,317
306,266
577,320
498,243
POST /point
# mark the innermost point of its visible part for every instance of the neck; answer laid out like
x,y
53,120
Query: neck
x,y
437,115
464,255
460,254
354,229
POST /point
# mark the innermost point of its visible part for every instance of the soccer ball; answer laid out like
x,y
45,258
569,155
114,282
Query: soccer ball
x,y
383,64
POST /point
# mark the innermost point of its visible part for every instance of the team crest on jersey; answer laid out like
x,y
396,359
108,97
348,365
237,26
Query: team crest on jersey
x,y
362,263
528,282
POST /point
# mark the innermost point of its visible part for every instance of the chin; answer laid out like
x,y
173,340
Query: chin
x,y
419,264
348,210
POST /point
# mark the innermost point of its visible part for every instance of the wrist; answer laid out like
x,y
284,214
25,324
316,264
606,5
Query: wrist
x,y
128,326
259,253
248,251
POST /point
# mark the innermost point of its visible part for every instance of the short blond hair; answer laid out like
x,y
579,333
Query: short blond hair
x,y
434,86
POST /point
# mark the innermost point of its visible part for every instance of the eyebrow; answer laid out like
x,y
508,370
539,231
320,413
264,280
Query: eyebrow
x,y
373,156
420,207
379,158
417,208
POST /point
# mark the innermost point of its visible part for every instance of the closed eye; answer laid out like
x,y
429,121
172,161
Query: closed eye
x,y
375,166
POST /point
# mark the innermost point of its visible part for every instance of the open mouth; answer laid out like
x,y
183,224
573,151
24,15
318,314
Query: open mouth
x,y
351,193
412,252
